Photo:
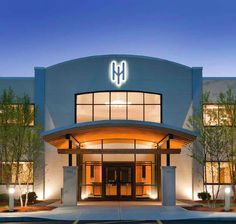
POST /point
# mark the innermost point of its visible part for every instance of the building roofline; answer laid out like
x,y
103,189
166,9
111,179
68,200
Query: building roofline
x,y
117,123
121,55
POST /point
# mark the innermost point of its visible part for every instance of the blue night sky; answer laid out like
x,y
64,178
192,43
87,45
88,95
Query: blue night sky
x,y
46,32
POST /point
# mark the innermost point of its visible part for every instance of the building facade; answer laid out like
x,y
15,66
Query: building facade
x,y
117,119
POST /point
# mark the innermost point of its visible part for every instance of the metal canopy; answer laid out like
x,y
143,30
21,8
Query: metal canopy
x,y
119,129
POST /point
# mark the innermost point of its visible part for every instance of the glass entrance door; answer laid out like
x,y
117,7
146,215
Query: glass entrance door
x,y
118,180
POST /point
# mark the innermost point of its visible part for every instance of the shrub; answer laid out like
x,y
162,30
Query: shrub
x,y
32,197
204,196
4,197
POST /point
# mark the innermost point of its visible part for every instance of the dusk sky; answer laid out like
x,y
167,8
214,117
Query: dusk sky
x,y
45,32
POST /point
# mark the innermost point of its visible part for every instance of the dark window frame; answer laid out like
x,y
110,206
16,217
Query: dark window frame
x,y
126,104
31,104
1,177
207,183
218,121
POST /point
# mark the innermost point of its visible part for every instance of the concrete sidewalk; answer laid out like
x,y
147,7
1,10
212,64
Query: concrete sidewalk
x,y
119,211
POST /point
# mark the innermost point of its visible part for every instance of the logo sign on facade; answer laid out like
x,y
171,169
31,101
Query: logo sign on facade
x,y
118,72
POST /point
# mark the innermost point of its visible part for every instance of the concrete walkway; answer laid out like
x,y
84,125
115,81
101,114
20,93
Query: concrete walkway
x,y
119,211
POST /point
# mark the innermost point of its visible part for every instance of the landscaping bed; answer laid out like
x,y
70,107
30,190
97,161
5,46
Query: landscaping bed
x,y
200,205
28,208
207,209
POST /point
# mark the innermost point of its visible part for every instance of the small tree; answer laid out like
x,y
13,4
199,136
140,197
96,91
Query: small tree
x,y
213,141
7,154
227,100
20,139
32,151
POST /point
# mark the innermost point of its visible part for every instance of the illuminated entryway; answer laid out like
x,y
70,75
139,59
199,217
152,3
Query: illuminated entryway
x,y
119,159
124,169
118,180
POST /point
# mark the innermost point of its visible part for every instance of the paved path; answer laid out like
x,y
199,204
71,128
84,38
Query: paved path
x,y
119,211
132,222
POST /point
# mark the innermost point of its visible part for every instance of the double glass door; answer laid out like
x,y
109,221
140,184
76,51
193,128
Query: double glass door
x,y
118,180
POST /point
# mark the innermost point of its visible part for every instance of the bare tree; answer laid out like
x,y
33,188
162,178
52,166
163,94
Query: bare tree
x,y
227,115
20,140
213,141
6,132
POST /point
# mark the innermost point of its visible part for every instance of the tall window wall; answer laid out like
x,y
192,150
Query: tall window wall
x,y
218,172
216,115
219,115
118,105
16,113
8,172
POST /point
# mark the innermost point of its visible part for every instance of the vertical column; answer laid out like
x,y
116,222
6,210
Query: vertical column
x,y
39,100
170,136
168,186
79,164
70,185
69,147
70,155
197,182
168,155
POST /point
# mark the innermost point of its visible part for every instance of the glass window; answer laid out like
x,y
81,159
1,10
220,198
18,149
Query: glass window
x,y
101,112
118,98
152,113
215,173
210,115
84,113
118,157
92,157
135,112
145,145
118,144
135,98
32,113
212,175
226,115
145,180
151,98
24,114
92,183
118,105
101,98
91,145
217,114
25,172
85,98
118,112
225,172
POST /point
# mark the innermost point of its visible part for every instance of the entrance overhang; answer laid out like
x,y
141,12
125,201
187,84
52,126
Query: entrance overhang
x,y
122,129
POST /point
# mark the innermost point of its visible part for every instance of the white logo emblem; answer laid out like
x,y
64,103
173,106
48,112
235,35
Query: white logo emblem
x,y
118,72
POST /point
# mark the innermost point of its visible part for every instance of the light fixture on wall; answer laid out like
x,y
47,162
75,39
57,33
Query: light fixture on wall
x,y
84,195
152,194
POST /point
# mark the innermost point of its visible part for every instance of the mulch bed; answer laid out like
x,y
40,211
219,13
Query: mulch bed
x,y
29,209
207,209
206,202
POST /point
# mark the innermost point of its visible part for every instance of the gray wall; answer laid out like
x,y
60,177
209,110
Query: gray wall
x,y
62,81
178,84
20,86
216,85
